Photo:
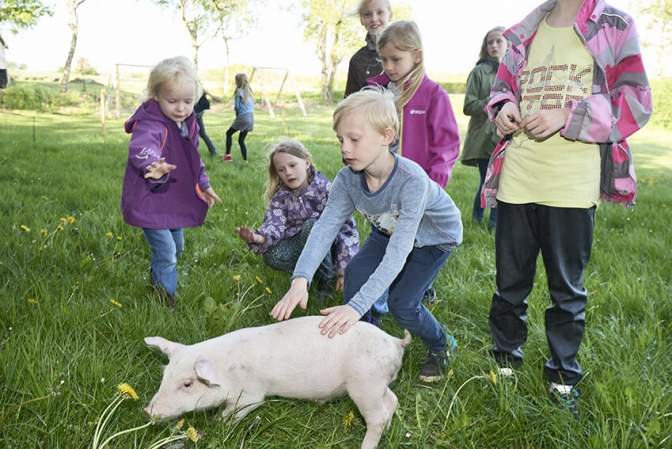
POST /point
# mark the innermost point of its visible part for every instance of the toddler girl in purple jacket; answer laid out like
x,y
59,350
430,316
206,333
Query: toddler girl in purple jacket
x,y
296,197
165,186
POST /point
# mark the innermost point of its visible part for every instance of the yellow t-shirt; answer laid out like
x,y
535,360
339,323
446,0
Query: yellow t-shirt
x,y
555,171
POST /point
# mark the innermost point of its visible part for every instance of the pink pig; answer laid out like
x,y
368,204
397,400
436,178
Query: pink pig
x,y
289,359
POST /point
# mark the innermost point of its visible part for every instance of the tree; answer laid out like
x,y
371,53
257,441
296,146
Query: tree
x,y
337,33
659,14
22,14
73,23
203,19
327,25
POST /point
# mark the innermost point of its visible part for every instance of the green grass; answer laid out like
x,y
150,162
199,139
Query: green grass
x,y
59,330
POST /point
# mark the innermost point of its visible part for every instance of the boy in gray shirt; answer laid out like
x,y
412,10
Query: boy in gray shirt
x,y
416,225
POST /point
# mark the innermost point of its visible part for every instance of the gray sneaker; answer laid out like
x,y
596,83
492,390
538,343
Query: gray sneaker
x,y
565,397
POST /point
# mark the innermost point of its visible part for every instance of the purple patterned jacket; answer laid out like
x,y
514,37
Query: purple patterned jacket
x,y
619,104
287,212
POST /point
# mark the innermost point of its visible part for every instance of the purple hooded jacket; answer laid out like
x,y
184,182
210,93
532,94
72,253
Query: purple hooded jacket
x,y
428,133
175,200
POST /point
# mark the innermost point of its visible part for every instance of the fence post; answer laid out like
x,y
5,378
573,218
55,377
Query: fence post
x,y
103,110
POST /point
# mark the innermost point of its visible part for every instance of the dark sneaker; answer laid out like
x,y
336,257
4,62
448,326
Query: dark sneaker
x,y
437,362
565,397
429,298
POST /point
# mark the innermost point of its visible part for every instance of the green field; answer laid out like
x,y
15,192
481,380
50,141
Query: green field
x,y
66,254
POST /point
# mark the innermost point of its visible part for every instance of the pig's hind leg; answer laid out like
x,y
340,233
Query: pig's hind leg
x,y
376,404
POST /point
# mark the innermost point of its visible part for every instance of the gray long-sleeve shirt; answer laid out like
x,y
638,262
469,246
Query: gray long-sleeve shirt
x,y
411,208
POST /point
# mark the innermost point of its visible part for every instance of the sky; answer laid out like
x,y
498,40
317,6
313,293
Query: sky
x,y
138,32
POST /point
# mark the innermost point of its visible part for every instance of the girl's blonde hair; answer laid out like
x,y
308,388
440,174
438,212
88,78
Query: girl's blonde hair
x,y
244,86
484,46
179,69
363,4
291,147
374,105
404,35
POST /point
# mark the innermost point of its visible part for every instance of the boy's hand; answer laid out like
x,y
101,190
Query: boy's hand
x,y
338,320
158,169
297,295
545,122
508,119
211,197
250,236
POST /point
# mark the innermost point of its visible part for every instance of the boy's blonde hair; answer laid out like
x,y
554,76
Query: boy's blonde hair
x,y
404,35
244,85
375,105
289,146
484,46
179,69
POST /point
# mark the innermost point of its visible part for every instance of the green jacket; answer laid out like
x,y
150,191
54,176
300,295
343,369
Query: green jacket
x,y
482,133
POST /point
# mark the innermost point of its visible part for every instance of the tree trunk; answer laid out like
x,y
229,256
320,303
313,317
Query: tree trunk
x,y
68,61
226,68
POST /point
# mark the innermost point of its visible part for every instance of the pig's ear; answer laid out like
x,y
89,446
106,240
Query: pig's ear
x,y
205,370
167,347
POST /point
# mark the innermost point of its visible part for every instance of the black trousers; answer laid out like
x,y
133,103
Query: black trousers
x,y
564,236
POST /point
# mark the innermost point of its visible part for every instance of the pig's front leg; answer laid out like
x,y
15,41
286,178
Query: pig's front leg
x,y
242,405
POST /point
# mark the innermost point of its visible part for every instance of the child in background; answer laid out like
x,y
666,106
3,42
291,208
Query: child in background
x,y
296,196
165,186
417,226
244,122
482,133
201,106
374,15
568,92
429,135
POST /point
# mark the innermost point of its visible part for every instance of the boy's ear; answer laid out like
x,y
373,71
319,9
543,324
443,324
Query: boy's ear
x,y
388,136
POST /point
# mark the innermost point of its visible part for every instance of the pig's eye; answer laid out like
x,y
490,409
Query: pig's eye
x,y
187,384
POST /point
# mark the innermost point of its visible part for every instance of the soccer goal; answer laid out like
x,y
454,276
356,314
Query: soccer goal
x,y
275,78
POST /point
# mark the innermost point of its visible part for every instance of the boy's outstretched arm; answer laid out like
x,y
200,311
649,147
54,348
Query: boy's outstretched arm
x,y
338,320
296,295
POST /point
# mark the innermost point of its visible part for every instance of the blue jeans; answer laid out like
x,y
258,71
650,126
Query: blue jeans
x,y
167,245
404,296
204,135
478,212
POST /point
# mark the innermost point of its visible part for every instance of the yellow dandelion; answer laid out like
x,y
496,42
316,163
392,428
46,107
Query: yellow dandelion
x,y
32,301
43,232
45,198
349,419
493,377
71,219
259,280
236,278
119,237
192,434
451,372
62,219
126,390
268,290
115,303
109,235
27,229
179,424
60,228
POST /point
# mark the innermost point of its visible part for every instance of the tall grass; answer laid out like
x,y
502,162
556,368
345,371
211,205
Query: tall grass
x,y
62,337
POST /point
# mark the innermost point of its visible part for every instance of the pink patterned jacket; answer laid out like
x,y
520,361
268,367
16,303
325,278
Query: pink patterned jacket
x,y
619,104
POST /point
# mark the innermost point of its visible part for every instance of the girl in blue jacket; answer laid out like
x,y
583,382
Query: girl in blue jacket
x,y
244,122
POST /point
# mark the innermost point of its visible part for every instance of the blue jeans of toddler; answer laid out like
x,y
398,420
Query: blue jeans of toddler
x,y
167,245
